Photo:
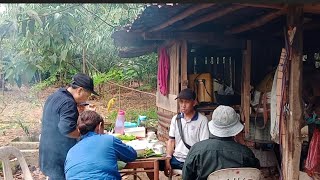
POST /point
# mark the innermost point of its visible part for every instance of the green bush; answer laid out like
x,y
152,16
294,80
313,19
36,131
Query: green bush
x,y
44,84
100,78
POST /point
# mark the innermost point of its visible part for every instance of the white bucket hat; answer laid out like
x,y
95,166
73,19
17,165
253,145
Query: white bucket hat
x,y
225,122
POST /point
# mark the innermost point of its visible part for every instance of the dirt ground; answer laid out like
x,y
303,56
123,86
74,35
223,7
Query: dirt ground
x,y
24,105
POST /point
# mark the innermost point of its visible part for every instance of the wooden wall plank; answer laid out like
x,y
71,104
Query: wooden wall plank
x,y
164,118
245,87
167,102
167,105
173,68
184,62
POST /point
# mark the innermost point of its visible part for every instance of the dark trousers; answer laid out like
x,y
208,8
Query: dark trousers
x,y
57,177
58,174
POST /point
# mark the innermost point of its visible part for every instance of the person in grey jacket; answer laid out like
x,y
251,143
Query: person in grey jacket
x,y
220,151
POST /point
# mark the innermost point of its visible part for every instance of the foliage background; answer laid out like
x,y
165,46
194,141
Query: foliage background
x,y
45,44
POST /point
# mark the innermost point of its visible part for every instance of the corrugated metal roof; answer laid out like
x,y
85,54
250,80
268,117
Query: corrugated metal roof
x,y
154,15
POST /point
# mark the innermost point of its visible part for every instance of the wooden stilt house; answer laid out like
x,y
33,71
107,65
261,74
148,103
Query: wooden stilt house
x,y
233,45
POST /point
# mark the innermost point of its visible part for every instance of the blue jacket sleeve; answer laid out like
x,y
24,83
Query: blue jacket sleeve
x,y
124,152
68,117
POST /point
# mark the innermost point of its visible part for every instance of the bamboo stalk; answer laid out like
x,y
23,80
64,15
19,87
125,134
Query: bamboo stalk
x,y
119,98
84,60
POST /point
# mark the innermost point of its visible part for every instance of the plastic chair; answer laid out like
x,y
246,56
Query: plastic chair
x,y
5,153
236,173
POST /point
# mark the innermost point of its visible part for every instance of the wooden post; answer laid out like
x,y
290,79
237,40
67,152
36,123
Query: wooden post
x,y
292,143
245,87
184,60
119,98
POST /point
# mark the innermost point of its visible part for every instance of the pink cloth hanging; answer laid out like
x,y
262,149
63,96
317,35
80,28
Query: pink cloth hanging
x,y
163,71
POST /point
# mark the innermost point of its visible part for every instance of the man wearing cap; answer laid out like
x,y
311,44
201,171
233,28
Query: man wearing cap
x,y
220,151
193,127
59,125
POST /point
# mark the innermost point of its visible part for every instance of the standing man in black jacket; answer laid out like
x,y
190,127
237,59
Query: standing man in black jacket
x,y
59,125
220,151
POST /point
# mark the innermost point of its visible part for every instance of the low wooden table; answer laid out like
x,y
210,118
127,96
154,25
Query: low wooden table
x,y
148,164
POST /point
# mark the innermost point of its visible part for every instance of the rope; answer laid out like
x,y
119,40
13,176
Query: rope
x,y
113,83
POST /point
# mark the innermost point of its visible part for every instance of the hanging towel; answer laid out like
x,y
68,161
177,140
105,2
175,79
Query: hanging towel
x,y
163,71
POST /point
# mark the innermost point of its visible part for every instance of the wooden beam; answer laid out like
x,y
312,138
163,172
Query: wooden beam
x,y
270,6
178,35
312,8
258,22
205,37
137,51
291,146
246,87
184,14
211,16
309,8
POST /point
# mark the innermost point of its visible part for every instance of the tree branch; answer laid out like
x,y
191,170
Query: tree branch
x,y
44,15
97,16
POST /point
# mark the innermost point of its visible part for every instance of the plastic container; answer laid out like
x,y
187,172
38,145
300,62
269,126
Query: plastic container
x,y
119,126
202,85
136,131
130,125
142,121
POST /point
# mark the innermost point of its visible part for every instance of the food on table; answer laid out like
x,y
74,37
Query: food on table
x,y
127,137
148,153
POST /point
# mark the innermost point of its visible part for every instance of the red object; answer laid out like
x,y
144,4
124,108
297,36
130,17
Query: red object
x,y
313,159
163,71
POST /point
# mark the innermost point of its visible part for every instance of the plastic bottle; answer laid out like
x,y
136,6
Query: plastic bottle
x,y
119,126
142,121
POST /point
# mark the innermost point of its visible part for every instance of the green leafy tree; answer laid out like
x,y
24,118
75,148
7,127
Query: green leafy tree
x,y
55,39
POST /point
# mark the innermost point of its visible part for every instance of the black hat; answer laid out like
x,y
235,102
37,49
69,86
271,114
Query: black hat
x,y
84,81
187,94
